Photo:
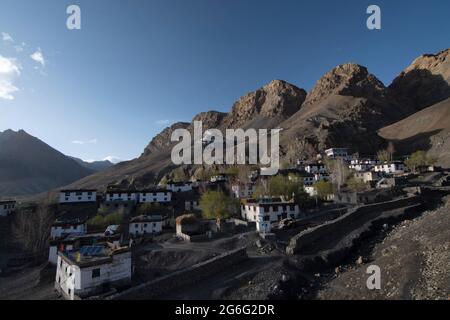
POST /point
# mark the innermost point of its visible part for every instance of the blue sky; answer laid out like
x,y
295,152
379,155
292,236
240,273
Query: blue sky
x,y
135,66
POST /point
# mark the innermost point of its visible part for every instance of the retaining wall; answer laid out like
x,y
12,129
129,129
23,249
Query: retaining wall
x,y
306,240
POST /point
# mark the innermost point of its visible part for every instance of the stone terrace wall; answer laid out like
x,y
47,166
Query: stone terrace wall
x,y
190,275
359,216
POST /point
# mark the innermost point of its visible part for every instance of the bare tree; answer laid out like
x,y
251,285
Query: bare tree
x,y
31,228
391,150
339,172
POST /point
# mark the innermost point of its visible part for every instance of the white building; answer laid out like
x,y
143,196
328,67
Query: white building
x,y
63,228
335,153
144,225
367,176
267,211
314,168
77,196
7,207
310,190
180,186
122,195
362,165
391,167
91,270
244,190
155,196
219,178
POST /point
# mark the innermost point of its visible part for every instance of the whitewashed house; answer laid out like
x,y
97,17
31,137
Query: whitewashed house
x,y
180,186
362,165
91,270
63,228
395,167
243,190
155,196
122,195
145,225
219,178
367,176
314,168
267,211
7,207
77,196
336,153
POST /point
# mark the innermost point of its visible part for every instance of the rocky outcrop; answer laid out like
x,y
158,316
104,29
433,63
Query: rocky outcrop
x,y
425,82
278,99
162,141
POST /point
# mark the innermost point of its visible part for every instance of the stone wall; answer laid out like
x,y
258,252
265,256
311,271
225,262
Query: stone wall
x,y
307,240
188,276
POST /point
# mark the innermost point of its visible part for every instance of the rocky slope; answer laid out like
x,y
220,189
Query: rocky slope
x,y
425,82
28,165
414,260
428,129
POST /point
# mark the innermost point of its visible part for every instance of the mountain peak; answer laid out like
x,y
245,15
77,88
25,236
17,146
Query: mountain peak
x,y
347,79
425,82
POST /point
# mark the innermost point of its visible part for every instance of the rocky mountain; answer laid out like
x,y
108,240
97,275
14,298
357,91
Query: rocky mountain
x,y
28,165
94,166
428,129
346,108
425,82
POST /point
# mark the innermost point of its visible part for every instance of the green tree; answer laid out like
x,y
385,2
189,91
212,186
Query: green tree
x,y
217,205
279,186
339,171
419,159
356,185
323,189
383,155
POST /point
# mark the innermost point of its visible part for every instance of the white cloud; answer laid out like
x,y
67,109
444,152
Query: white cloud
x,y
81,142
7,37
38,57
9,71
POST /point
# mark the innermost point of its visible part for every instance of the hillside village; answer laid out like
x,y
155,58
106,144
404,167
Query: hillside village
x,y
109,243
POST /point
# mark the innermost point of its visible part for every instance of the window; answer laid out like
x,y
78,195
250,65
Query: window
x,y
95,273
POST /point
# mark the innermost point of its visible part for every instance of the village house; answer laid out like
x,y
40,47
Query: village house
x,y
219,178
77,196
146,225
361,198
314,168
337,153
92,270
76,241
192,229
7,207
362,165
367,176
192,205
395,167
243,190
267,211
64,227
179,186
122,195
154,196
